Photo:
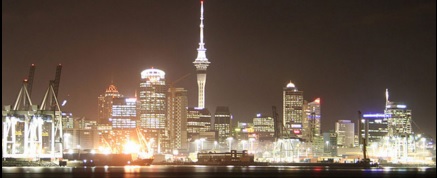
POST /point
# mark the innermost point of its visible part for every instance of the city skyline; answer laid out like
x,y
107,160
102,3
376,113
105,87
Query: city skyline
x,y
345,53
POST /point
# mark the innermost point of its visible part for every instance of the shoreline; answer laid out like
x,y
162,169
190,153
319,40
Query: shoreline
x,y
328,165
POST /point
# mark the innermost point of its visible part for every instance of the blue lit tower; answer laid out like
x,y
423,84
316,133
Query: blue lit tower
x,y
201,63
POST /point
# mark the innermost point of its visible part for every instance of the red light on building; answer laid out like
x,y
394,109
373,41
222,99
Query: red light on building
x,y
296,131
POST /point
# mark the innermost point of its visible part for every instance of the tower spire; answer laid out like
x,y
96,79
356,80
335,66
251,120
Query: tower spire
x,y
201,63
201,43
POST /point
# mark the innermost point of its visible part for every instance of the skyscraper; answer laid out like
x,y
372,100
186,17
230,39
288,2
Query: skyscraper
x,y
124,113
376,126
345,133
264,127
399,118
201,63
198,120
152,105
311,121
177,119
105,104
222,123
293,109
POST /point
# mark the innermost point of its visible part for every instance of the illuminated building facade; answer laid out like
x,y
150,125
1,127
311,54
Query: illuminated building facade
x,y
330,140
177,119
81,134
398,118
152,107
201,63
222,123
377,126
311,121
293,109
244,131
105,104
198,120
124,114
345,130
264,127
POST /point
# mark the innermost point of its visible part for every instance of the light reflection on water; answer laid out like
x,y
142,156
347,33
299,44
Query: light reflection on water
x,y
216,171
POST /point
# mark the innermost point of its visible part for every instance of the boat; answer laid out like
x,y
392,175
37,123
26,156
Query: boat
x,y
101,159
227,158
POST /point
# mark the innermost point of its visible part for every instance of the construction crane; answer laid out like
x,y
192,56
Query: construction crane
x,y
28,83
57,79
55,84
145,146
30,79
279,126
171,85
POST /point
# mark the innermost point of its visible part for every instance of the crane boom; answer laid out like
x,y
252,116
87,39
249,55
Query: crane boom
x,y
57,79
30,79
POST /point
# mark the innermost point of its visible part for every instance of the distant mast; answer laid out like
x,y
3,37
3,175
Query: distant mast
x,y
201,63
386,98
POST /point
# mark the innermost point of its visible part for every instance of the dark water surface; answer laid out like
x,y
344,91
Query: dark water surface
x,y
191,171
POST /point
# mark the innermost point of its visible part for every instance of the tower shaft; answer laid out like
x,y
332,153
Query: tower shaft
x,y
201,63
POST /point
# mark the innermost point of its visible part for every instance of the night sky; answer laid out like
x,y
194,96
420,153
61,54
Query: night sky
x,y
345,52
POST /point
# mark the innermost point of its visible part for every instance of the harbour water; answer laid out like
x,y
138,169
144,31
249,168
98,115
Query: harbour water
x,y
194,171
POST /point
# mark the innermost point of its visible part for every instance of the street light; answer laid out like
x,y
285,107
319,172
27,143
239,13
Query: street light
x,y
67,140
201,143
230,143
243,142
215,145
327,146
251,140
197,141
423,146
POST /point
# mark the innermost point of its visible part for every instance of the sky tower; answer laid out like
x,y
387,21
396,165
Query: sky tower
x,y
201,63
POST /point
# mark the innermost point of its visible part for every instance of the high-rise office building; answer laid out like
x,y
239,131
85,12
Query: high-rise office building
x,y
293,109
124,113
198,120
330,140
311,121
222,123
152,107
201,63
377,127
398,118
345,130
264,127
177,119
105,104
243,131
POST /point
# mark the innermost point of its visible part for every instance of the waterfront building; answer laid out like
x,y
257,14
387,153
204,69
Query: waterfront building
x,y
311,122
345,133
293,110
105,102
152,108
330,140
377,127
198,120
398,118
222,123
244,131
124,113
82,134
177,119
264,128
